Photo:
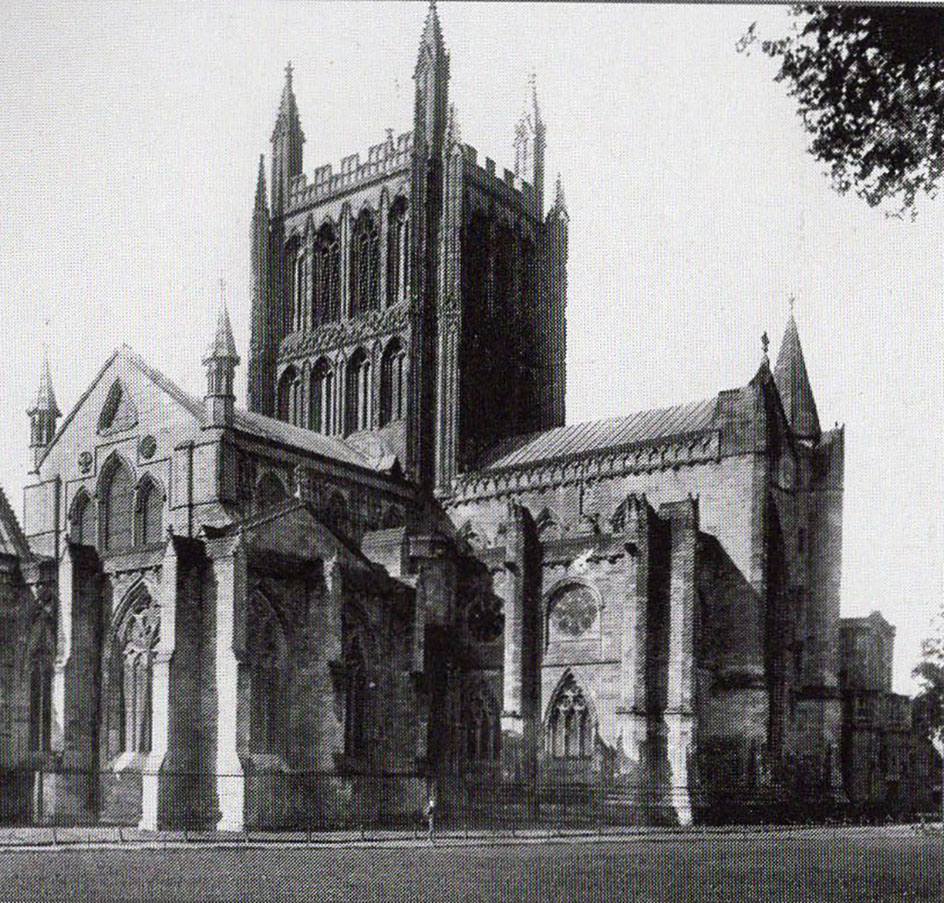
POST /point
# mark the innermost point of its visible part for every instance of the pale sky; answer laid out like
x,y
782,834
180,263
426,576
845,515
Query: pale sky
x,y
129,141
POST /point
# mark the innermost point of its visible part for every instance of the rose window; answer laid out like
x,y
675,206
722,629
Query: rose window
x,y
575,612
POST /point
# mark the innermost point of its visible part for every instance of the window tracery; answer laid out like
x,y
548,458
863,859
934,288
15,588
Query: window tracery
x,y
393,383
321,401
485,618
358,393
136,644
483,725
573,613
365,253
571,727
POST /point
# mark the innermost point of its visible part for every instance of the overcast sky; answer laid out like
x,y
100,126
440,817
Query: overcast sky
x,y
129,141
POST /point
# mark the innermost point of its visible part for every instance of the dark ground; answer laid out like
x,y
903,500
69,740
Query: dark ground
x,y
819,866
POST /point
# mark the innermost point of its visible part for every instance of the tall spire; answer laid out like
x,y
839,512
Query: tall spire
x,y
559,207
530,142
43,412
432,38
793,384
262,202
287,141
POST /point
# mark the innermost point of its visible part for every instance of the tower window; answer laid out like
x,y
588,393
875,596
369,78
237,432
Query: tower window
x,y
398,252
321,399
290,397
393,383
365,253
326,298
358,393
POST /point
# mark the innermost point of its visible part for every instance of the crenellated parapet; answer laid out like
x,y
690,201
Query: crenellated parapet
x,y
383,160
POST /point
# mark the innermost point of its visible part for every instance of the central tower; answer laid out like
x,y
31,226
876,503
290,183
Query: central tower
x,y
412,302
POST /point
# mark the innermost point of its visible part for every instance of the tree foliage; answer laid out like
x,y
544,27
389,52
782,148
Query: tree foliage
x,y
930,676
869,86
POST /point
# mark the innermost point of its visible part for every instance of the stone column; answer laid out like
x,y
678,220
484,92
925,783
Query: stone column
x,y
680,709
345,261
229,572
383,290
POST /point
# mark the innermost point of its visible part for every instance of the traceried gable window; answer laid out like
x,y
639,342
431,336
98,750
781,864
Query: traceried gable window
x,y
365,265
570,725
119,412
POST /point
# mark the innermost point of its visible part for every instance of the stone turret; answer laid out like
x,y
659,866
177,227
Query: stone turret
x,y
43,413
220,361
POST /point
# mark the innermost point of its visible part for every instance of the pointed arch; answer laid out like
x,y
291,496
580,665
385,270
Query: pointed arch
x,y
326,275
131,648
572,611
549,525
398,251
118,412
82,519
358,392
270,490
321,397
290,397
149,511
116,505
268,668
393,382
482,718
570,723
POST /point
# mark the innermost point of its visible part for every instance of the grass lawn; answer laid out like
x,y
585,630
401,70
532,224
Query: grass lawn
x,y
813,867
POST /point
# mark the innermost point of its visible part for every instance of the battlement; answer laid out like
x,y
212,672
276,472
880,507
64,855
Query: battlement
x,y
382,159
511,189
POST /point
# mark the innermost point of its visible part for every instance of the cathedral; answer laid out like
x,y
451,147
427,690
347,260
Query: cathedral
x,y
399,570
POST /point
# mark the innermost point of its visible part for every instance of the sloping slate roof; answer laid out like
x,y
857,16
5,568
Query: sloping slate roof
x,y
12,539
319,444
581,438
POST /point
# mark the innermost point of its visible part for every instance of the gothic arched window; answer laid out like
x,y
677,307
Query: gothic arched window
x,y
40,690
321,399
485,618
482,726
267,669
150,512
290,397
117,501
398,252
357,401
365,264
356,709
269,491
393,383
82,520
133,661
326,298
570,726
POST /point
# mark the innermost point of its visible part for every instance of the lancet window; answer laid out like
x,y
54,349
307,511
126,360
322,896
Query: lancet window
x,y
321,398
398,252
326,299
136,643
358,393
393,383
365,264
482,725
117,495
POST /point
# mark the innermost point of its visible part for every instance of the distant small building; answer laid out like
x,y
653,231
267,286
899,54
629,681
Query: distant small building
x,y
888,762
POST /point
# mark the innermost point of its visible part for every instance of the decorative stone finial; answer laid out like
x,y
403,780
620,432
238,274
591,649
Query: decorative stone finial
x,y
765,344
